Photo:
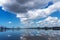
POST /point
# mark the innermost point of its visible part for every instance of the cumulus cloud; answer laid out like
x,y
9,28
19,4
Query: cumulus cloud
x,y
49,22
22,6
40,13
9,22
28,10
18,6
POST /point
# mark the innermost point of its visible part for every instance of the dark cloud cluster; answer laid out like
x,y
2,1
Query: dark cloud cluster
x,y
14,8
22,6
22,1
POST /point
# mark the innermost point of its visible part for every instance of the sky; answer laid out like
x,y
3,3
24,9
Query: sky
x,y
9,20
29,13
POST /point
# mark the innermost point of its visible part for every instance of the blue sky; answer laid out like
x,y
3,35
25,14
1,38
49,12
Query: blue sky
x,y
6,17
56,14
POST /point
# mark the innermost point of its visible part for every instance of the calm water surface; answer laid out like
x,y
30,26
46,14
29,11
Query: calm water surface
x,y
19,34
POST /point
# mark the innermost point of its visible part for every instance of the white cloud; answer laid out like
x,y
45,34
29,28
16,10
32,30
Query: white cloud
x,y
28,10
2,2
40,13
9,22
50,22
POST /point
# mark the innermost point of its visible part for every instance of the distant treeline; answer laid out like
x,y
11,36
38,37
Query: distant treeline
x,y
45,28
4,29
